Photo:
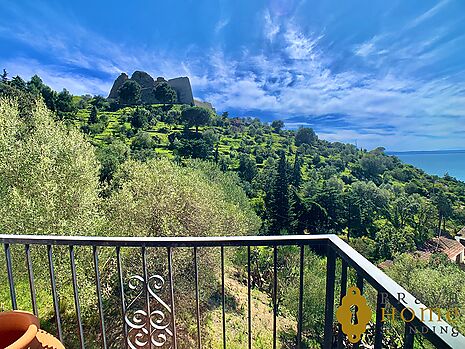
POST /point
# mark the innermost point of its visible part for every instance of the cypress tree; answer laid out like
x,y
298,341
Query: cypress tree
x,y
93,117
296,172
279,204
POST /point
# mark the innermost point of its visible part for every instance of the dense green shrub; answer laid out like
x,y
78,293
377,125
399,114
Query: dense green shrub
x,y
48,175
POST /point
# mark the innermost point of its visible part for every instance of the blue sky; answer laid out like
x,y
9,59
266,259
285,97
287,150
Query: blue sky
x,y
384,73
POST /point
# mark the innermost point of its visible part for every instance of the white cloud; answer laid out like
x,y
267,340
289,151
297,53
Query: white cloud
x,y
365,49
428,14
300,46
271,28
221,24
55,78
292,76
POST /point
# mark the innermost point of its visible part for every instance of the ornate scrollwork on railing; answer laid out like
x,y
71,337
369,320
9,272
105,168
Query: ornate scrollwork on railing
x,y
144,329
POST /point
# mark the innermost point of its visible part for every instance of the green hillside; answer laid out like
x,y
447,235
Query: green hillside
x,y
296,182
369,195
87,165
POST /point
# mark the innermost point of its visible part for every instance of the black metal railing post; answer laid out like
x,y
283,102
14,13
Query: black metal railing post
x,y
99,297
329,305
56,304
148,322
11,282
173,313
275,292
223,296
379,323
409,336
360,284
249,300
301,297
30,274
121,294
197,300
340,335
76,297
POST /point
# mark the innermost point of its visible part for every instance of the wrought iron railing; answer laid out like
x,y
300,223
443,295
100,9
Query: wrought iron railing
x,y
139,332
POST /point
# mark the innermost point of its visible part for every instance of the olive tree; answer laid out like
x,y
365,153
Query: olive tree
x,y
48,185
48,175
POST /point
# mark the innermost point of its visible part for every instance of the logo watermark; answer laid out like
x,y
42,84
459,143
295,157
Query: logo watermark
x,y
354,315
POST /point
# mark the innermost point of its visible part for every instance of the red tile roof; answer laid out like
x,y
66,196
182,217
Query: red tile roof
x,y
448,246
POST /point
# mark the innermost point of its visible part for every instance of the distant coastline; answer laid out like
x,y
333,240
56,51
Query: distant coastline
x,y
451,151
436,162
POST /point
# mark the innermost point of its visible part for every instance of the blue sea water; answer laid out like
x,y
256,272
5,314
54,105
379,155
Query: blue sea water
x,y
436,162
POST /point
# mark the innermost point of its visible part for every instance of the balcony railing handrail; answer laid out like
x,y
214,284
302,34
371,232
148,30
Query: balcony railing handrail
x,y
365,269
161,241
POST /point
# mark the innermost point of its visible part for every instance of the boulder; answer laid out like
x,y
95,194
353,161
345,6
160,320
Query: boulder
x,y
183,88
181,85
120,80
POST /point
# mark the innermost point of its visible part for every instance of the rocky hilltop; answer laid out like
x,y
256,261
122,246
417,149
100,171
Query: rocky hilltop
x,y
181,85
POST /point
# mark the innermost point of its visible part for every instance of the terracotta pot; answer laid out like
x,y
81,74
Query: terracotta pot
x,y
18,330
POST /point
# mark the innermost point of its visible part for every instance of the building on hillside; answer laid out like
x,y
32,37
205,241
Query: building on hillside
x,y
454,249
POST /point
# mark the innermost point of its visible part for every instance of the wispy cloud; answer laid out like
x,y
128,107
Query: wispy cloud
x,y
56,78
221,24
271,28
300,46
378,90
428,14
367,48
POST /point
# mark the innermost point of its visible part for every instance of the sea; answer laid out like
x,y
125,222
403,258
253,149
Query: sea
x,y
437,162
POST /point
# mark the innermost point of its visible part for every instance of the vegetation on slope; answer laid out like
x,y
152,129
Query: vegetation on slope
x,y
182,170
296,182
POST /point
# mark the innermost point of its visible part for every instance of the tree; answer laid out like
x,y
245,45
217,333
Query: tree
x,y
372,166
50,97
198,148
35,85
48,175
366,203
300,213
393,241
93,116
140,118
278,202
305,135
297,172
18,82
196,116
129,93
444,207
142,141
330,199
111,156
99,102
160,198
64,104
277,125
165,93
247,168
172,117
4,75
